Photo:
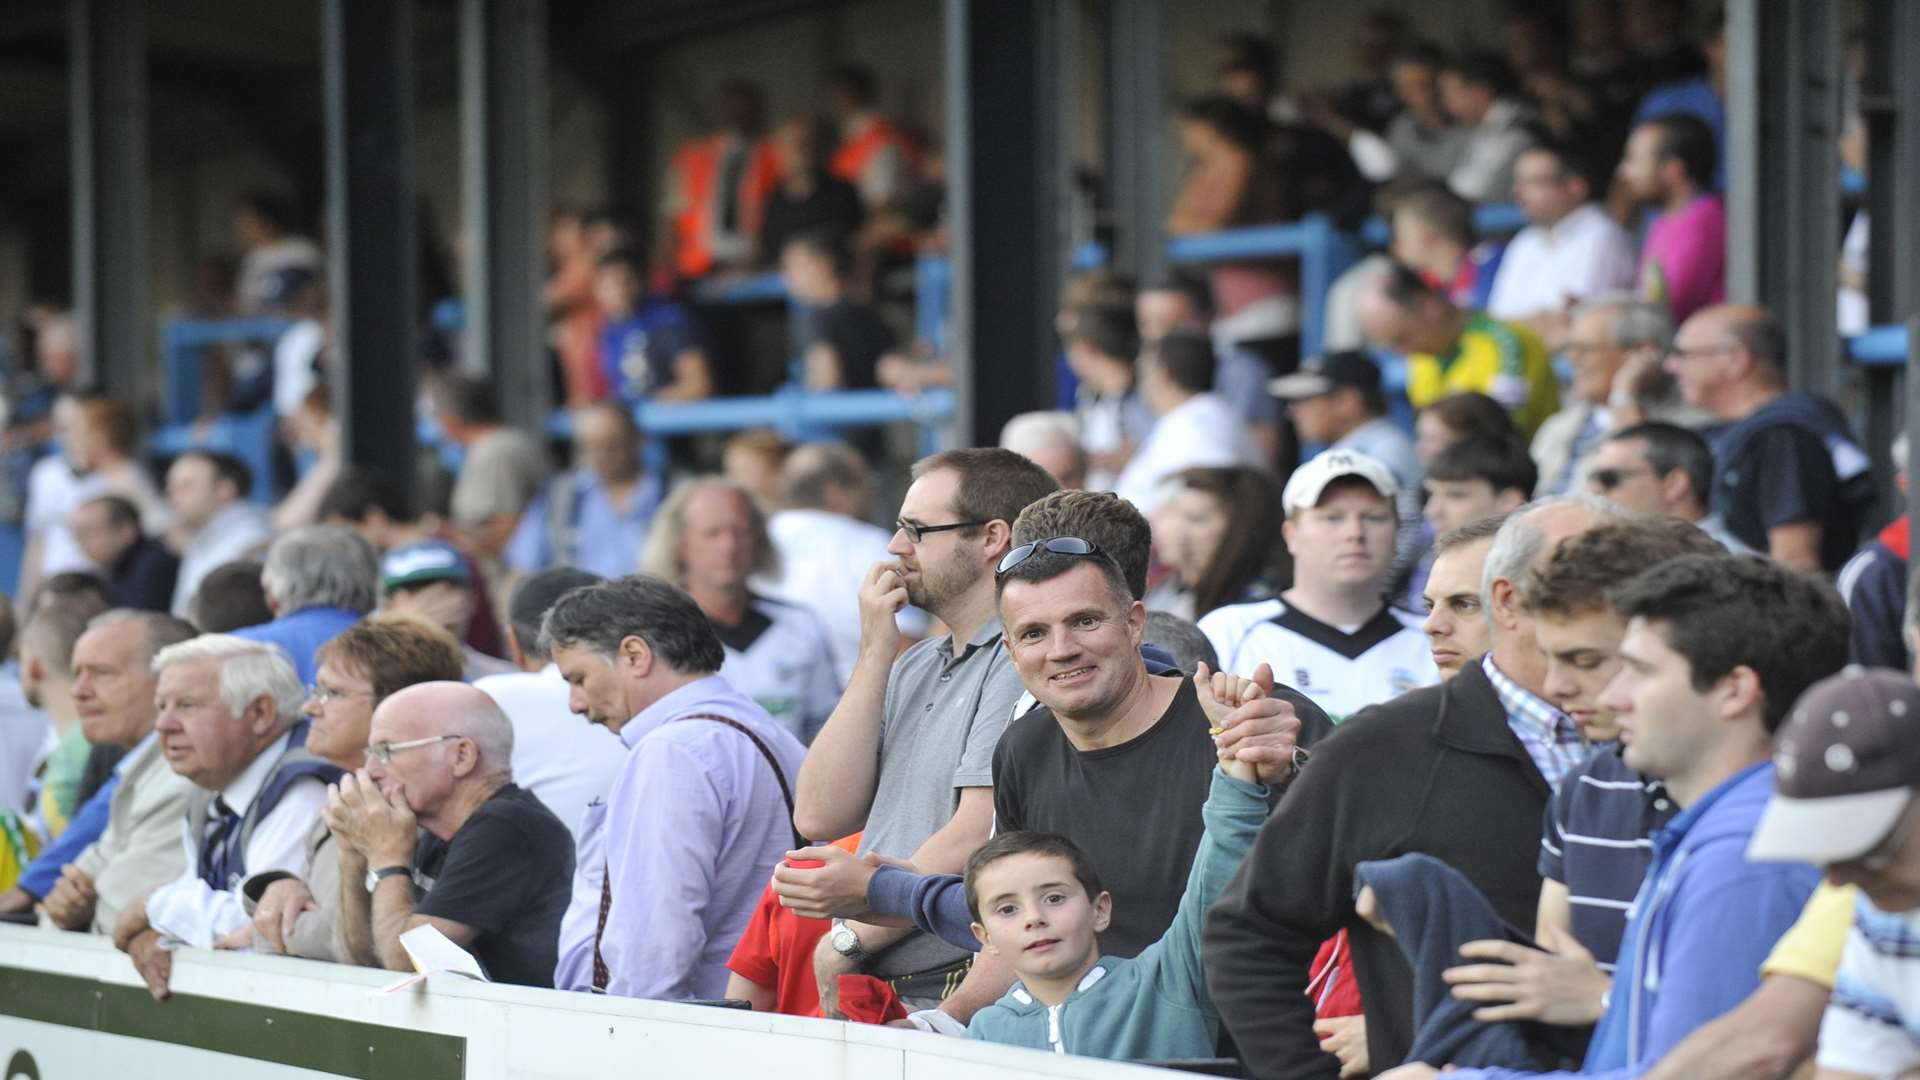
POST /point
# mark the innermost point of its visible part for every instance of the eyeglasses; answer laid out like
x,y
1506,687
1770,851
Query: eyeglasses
x,y
323,693
916,532
1678,353
1608,479
1059,545
383,751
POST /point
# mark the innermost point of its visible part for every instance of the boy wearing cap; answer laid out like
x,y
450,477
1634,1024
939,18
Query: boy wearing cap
x,y
1332,636
430,579
1848,762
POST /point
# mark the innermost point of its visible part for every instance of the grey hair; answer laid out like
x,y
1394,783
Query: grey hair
x,y
1636,321
1031,430
322,566
1519,542
1182,639
814,469
162,629
492,732
600,617
248,669
662,557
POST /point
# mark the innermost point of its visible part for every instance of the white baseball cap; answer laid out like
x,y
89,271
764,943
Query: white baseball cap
x,y
1311,478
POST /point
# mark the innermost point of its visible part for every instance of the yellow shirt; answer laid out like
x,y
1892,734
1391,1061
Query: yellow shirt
x,y
1501,360
1811,947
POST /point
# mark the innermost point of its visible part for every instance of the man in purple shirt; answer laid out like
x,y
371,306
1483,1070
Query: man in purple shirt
x,y
1669,164
670,867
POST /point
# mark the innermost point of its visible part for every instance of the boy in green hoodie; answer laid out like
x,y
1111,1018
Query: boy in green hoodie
x,y
1036,901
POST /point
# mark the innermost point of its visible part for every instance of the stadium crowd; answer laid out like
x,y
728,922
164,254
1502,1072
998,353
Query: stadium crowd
x,y
1571,729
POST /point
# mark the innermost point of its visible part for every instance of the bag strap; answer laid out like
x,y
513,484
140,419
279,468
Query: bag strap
x,y
601,974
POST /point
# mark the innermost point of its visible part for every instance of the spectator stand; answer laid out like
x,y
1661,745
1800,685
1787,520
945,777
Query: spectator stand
x,y
247,436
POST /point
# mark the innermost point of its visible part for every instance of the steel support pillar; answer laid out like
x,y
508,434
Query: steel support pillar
x,y
108,131
1783,99
372,246
1007,196
503,89
1890,107
1136,75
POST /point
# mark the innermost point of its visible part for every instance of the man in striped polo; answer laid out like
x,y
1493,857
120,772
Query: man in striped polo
x,y
1595,842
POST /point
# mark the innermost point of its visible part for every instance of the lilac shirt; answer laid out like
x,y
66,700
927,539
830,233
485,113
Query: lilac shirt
x,y
694,824
1685,261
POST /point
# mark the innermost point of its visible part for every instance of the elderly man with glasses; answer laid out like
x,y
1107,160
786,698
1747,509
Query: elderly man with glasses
x,y
432,831
298,914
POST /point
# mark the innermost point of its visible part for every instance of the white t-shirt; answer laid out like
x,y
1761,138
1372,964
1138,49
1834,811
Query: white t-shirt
x,y
1582,255
779,658
565,761
1872,1022
824,557
1342,670
1202,430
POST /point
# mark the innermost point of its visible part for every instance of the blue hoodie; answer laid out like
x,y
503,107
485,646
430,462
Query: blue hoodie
x,y
1696,935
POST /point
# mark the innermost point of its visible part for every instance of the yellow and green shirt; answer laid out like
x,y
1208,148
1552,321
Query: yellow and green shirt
x,y
1501,360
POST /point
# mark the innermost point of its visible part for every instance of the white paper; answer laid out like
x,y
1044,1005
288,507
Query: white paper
x,y
433,953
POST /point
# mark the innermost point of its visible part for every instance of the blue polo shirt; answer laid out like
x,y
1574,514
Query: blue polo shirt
x,y
301,634
602,538
1597,841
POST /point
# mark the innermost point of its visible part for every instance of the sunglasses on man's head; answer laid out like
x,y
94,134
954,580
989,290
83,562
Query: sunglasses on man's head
x,y
1059,545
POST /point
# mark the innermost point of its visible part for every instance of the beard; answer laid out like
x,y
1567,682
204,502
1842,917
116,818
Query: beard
x,y
938,585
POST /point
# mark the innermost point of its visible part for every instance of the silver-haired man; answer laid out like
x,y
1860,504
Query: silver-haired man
x,y
229,722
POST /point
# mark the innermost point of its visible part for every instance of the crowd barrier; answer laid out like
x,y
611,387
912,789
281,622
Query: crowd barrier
x,y
72,1008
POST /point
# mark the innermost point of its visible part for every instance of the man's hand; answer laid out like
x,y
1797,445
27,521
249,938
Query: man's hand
x,y
835,890
70,903
828,966
361,815
152,961
1221,693
239,939
882,595
279,907
1345,1037
1261,732
1563,986
131,924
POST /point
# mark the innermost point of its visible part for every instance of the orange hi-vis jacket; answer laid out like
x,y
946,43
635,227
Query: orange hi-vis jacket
x,y
851,157
696,171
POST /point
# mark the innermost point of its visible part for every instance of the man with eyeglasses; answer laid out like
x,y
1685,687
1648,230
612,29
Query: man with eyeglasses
x,y
1663,469
908,754
1790,479
1332,636
432,831
229,722
297,914
1614,345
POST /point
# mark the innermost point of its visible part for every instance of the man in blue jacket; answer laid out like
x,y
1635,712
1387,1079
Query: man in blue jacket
x,y
1717,650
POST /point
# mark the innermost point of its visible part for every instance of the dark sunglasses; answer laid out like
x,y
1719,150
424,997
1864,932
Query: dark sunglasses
x,y
1059,545
1608,479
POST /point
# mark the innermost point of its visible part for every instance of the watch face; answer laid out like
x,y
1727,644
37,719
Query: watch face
x,y
844,939
373,880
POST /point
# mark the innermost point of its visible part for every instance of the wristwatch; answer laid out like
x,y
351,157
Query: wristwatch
x,y
374,876
845,941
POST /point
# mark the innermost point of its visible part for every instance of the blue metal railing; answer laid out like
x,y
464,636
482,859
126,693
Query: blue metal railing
x,y
1880,346
795,413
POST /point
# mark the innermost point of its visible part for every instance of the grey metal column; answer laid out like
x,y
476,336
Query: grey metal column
x,y
108,131
372,253
1784,237
1890,106
503,88
1137,95
1006,196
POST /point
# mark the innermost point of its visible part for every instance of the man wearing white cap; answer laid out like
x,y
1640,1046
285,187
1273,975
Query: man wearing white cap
x,y
1332,636
1847,763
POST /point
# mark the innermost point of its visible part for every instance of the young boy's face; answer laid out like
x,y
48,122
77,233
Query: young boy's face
x,y
616,289
1037,915
1453,503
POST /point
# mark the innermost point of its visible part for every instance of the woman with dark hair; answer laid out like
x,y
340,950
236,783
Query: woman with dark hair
x,y
1456,417
1220,534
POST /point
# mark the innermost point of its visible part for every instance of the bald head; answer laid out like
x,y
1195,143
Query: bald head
x,y
1726,356
432,709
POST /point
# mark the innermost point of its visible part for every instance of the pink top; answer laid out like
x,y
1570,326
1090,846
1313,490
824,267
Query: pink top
x,y
1685,261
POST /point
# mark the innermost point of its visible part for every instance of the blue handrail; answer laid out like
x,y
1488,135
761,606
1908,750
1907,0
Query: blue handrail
x,y
1880,346
757,289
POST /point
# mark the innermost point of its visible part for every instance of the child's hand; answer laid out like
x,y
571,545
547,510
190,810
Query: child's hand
x,y
1220,694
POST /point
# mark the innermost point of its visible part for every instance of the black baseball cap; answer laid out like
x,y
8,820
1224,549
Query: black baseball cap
x,y
1325,374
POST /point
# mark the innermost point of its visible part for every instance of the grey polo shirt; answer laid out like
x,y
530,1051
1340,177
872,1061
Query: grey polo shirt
x,y
944,715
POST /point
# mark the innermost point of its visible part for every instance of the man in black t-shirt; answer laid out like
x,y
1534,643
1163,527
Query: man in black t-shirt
x,y
1790,481
843,352
433,832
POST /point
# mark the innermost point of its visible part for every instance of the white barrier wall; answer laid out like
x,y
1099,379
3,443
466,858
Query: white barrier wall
x,y
71,1008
